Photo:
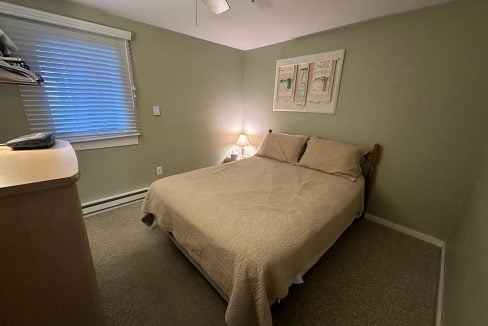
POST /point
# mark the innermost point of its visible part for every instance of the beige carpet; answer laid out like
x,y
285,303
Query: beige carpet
x,y
371,276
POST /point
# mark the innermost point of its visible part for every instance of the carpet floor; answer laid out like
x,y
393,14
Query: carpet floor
x,y
372,276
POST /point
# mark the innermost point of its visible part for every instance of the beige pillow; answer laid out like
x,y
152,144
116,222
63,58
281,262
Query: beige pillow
x,y
283,147
332,157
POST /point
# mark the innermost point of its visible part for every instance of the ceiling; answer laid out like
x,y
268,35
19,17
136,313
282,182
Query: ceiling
x,y
250,25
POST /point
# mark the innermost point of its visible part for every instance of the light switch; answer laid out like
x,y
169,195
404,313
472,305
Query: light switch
x,y
156,110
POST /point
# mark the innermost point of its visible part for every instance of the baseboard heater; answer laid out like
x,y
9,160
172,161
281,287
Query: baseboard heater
x,y
103,204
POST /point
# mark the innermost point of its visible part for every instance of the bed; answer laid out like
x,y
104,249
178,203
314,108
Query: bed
x,y
253,227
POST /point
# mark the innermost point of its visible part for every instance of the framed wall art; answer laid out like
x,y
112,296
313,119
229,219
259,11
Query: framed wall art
x,y
285,86
303,72
309,83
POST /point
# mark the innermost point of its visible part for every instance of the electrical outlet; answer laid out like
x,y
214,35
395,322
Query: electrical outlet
x,y
156,110
159,170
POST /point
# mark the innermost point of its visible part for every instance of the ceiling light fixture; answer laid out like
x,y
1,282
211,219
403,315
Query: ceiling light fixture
x,y
217,6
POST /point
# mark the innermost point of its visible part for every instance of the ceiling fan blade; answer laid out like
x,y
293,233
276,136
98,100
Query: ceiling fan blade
x,y
217,6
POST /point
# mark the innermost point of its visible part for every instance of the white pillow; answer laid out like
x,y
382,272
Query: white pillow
x,y
283,147
333,157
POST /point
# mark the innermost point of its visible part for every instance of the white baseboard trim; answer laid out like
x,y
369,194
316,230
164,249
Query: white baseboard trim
x,y
404,229
104,204
427,238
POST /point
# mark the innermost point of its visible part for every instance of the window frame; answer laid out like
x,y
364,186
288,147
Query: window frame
x,y
81,25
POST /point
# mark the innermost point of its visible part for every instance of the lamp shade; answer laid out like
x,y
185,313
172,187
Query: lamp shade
x,y
242,141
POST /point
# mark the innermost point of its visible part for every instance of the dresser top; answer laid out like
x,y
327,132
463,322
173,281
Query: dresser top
x,y
29,170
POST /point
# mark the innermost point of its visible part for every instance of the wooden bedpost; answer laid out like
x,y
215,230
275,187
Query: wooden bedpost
x,y
372,156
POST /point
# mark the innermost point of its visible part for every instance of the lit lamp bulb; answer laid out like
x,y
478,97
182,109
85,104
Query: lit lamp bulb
x,y
243,142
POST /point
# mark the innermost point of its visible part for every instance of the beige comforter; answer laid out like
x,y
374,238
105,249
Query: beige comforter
x,y
254,225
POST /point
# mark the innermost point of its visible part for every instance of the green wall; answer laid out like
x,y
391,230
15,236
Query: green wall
x,y
466,285
197,85
412,83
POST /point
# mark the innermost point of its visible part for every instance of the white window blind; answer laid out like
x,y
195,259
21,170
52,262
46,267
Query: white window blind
x,y
88,89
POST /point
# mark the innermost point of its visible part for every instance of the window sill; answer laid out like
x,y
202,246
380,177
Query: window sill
x,y
81,145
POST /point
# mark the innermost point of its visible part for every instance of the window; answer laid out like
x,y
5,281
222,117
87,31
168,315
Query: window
x,y
88,91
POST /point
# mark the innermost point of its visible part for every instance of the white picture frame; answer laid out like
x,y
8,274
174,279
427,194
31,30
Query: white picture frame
x,y
315,104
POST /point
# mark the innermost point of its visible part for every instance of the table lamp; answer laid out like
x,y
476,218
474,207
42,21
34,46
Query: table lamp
x,y
243,142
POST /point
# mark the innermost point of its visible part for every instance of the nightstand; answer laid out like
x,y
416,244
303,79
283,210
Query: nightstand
x,y
240,157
